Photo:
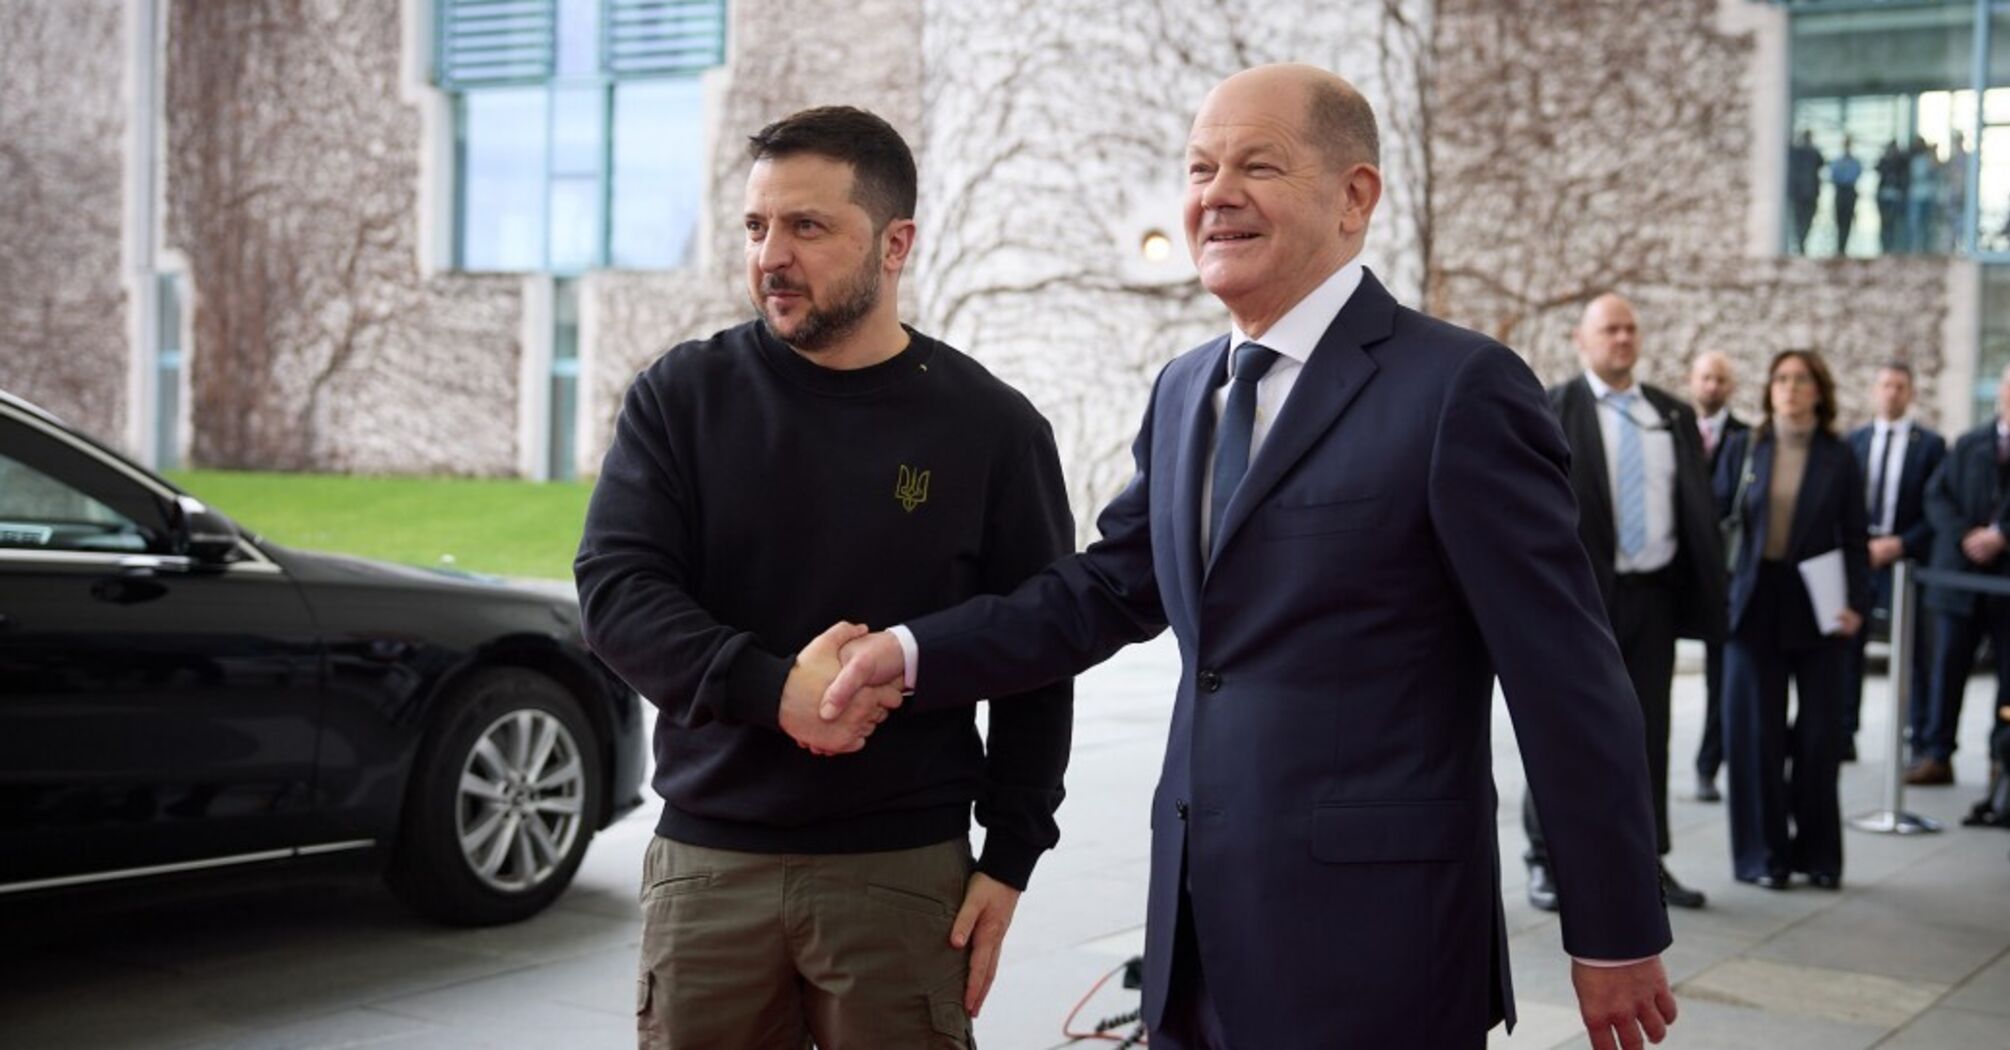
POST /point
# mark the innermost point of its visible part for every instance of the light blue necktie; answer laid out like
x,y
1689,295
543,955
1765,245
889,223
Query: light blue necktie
x,y
1632,479
1232,435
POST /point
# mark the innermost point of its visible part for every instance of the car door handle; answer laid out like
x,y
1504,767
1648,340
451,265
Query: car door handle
x,y
129,589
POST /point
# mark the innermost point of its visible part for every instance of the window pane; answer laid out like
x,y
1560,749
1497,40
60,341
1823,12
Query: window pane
x,y
37,511
659,176
575,224
578,122
502,179
578,38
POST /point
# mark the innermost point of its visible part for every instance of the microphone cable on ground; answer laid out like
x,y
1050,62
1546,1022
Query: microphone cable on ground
x,y
1108,1028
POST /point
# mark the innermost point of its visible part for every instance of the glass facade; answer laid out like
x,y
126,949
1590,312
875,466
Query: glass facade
x,y
1900,138
572,156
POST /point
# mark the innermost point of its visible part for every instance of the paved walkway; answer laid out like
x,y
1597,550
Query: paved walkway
x,y
1914,953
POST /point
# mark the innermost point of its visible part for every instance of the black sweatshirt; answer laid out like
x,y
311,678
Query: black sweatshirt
x,y
751,499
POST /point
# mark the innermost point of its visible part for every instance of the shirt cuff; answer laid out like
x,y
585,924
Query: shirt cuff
x,y
909,652
1612,964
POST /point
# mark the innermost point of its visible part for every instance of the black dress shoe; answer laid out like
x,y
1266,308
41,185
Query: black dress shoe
x,y
1676,895
1768,882
1822,881
1541,888
1706,789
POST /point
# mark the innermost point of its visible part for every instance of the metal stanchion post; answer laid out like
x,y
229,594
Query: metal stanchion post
x,y
1893,819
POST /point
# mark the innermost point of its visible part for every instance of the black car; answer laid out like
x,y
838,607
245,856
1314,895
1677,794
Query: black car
x,y
177,695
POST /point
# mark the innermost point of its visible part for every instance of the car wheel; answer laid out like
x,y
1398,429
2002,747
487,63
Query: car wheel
x,y
502,803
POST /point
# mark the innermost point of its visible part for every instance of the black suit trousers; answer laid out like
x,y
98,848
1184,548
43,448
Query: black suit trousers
x,y
1935,721
1710,749
1643,620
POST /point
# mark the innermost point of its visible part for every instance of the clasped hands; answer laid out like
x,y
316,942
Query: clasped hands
x,y
843,685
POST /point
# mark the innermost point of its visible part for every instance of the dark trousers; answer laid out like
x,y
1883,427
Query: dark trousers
x,y
1643,620
1845,202
1191,1022
1934,724
1923,660
1710,749
1783,806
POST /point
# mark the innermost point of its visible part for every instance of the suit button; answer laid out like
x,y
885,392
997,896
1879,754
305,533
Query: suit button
x,y
1210,681
1179,807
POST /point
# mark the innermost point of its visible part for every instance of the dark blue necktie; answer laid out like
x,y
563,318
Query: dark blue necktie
x,y
1231,446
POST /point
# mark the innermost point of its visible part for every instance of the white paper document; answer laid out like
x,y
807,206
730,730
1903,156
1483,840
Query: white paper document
x,y
1828,589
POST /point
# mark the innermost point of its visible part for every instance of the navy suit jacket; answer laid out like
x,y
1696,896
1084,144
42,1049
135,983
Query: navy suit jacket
x,y
1923,454
1965,493
1828,515
1698,567
1405,532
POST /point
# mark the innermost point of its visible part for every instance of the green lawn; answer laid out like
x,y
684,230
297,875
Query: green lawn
x,y
510,528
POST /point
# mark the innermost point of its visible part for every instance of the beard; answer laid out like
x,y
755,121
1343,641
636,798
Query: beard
x,y
851,299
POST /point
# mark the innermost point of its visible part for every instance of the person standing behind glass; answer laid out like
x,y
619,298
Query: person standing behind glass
x,y
1804,186
1796,492
1894,174
1844,171
1922,197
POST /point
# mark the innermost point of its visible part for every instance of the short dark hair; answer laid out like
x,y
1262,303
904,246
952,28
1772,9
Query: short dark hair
x,y
883,180
1896,364
1343,124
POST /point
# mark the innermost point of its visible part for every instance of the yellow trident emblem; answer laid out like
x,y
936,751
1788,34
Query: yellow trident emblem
x,y
912,491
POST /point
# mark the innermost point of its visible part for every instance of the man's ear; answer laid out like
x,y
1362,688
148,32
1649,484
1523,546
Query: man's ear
x,y
1361,191
896,245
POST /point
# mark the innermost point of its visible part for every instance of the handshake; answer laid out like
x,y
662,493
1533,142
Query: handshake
x,y
844,684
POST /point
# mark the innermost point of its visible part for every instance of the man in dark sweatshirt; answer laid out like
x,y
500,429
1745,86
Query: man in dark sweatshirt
x,y
822,461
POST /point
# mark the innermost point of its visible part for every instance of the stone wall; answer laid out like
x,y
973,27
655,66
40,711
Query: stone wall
x,y
291,189
62,127
1582,146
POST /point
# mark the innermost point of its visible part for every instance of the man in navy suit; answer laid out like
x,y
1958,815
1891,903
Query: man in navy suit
x,y
1711,383
1968,503
1897,456
1352,516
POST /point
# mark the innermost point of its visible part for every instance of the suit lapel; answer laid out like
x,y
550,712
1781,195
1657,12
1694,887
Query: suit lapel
x,y
1196,438
1814,483
1759,495
1587,442
1336,373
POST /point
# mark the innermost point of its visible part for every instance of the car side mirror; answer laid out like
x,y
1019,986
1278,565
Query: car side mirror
x,y
202,534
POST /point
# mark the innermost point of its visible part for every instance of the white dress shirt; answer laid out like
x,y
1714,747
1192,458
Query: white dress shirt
x,y
1294,337
1657,449
1898,436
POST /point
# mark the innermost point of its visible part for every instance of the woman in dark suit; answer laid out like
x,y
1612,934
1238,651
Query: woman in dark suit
x,y
1795,492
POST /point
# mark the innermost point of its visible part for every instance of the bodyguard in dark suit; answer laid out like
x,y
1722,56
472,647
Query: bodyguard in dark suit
x,y
1968,504
1346,575
1896,458
1711,383
1649,522
1796,495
